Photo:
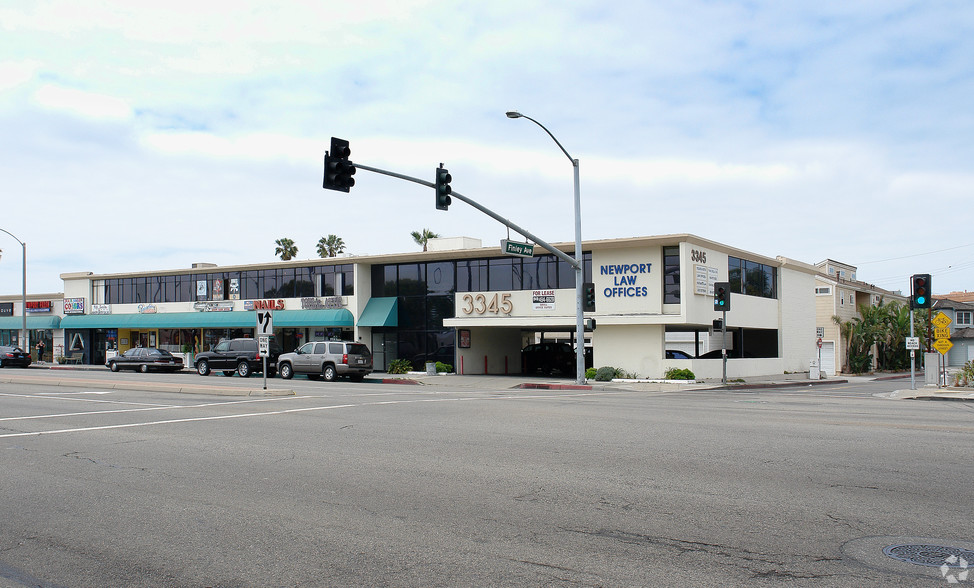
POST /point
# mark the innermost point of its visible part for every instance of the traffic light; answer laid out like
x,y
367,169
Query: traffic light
x,y
722,296
920,296
443,189
588,296
338,169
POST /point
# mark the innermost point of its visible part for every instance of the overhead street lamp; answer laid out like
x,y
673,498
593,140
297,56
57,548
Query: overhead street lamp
x,y
23,307
579,266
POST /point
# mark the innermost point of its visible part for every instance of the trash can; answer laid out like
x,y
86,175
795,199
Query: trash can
x,y
430,368
814,373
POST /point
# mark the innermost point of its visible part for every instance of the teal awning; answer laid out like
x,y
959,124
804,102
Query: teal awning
x,y
380,312
33,322
209,320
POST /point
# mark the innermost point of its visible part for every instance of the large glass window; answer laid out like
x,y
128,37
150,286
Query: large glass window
x,y
735,273
472,275
500,274
439,277
752,278
671,275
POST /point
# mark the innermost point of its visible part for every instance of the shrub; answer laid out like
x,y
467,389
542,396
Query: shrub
x,y
590,373
443,368
605,374
400,366
679,374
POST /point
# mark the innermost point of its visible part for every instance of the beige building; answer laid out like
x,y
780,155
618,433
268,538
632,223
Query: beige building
x,y
839,294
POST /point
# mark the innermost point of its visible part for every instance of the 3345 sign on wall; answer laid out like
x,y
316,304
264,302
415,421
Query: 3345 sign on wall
x,y
484,304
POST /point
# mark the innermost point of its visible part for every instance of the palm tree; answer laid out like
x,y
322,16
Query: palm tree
x,y
285,248
422,238
330,246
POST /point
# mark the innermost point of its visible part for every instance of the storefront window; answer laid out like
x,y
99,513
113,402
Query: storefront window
x,y
671,275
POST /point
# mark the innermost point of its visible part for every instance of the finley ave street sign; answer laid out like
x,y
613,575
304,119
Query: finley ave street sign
x,y
518,249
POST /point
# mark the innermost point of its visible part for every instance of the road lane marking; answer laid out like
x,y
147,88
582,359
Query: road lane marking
x,y
294,411
158,407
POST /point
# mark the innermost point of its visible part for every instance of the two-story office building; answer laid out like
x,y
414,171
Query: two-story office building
x,y
469,306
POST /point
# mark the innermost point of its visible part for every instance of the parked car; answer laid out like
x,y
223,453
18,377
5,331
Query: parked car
x,y
145,359
677,354
237,355
328,360
10,355
548,357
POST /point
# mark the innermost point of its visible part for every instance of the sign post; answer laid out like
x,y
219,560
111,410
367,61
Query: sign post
x,y
265,328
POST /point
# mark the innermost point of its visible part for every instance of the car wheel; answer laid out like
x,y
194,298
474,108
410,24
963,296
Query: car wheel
x,y
203,367
328,373
113,366
229,373
286,372
243,369
144,368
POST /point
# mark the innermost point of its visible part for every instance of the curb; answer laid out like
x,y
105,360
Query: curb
x,y
796,384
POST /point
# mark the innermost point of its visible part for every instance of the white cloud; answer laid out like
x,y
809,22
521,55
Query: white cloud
x,y
82,103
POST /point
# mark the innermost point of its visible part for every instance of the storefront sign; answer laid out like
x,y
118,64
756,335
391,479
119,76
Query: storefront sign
x,y
542,299
74,306
624,278
217,289
234,289
6,308
464,338
264,304
704,279
148,309
330,302
213,306
101,309
39,306
201,288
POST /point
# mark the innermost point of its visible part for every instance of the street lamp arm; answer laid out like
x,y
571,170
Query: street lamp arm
x,y
14,236
515,114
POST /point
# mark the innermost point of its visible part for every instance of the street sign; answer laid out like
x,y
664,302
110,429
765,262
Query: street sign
x,y
264,344
819,343
913,343
265,322
941,320
518,249
820,332
942,345
941,333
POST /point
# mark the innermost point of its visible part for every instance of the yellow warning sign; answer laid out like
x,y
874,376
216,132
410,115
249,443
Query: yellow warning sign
x,y
941,320
942,345
941,333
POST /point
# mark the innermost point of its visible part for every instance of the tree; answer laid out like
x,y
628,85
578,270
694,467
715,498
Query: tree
x,y
330,246
286,249
423,237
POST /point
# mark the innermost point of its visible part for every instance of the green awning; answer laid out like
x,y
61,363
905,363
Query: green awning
x,y
33,322
380,312
209,320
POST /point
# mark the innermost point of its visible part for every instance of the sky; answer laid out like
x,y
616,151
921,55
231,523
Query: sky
x,y
141,136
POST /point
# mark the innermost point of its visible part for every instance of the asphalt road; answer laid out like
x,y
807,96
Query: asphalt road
x,y
380,485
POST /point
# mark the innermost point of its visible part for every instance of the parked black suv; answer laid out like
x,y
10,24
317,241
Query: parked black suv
x,y
237,355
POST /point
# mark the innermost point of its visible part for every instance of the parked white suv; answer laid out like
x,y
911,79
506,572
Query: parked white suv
x,y
328,360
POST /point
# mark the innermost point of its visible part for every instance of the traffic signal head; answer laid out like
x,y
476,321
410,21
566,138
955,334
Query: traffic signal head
x,y
588,296
443,189
722,296
338,169
920,292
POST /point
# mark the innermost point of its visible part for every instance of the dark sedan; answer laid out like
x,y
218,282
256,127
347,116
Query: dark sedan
x,y
13,356
146,359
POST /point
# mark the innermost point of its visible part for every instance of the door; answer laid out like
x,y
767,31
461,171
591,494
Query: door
x,y
828,358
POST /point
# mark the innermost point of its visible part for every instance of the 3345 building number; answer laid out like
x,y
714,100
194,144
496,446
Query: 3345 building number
x,y
700,256
483,304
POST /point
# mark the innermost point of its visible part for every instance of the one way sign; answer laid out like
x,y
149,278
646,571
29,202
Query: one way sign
x,y
265,322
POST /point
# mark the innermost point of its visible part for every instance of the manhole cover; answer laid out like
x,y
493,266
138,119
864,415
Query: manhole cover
x,y
930,555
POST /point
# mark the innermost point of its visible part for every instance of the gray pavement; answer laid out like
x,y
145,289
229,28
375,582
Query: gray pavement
x,y
99,376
